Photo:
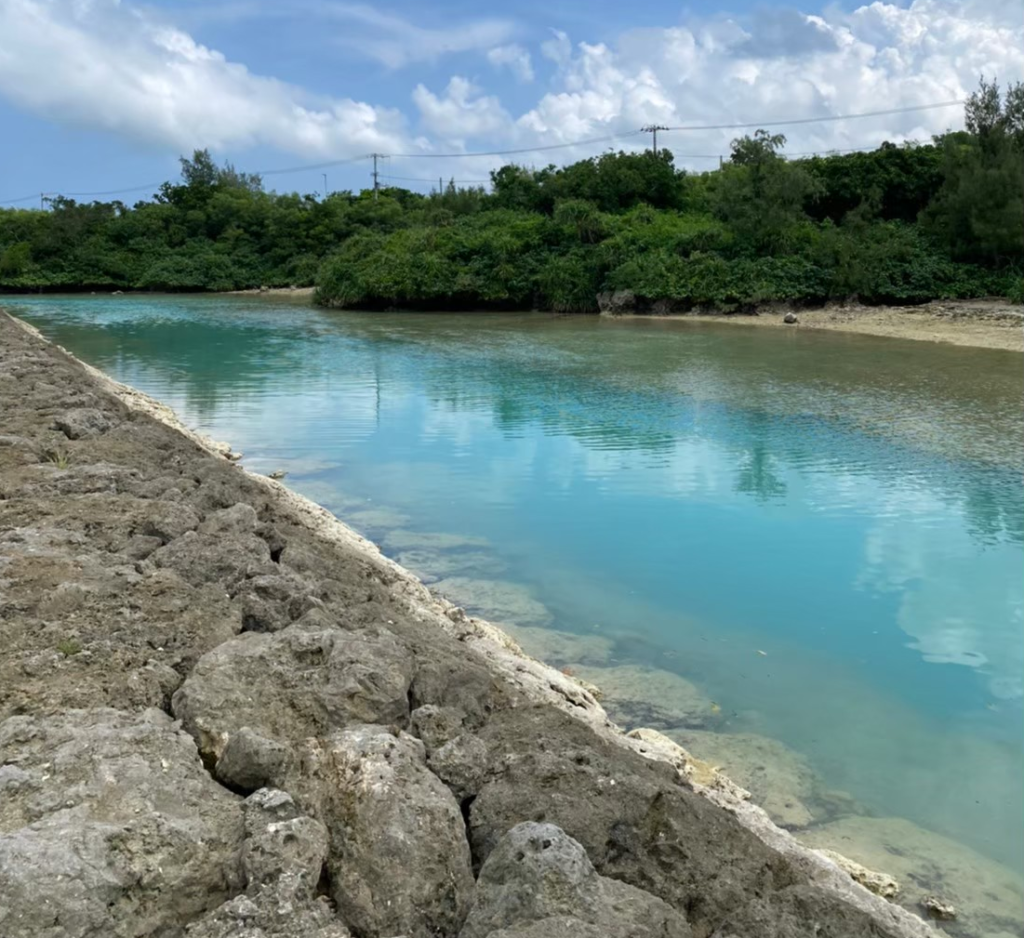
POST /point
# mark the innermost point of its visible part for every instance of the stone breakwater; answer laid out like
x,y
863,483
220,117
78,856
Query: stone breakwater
x,y
223,713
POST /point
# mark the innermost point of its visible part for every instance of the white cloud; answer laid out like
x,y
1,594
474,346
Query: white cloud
x,y
783,64
109,65
515,57
462,113
103,65
396,42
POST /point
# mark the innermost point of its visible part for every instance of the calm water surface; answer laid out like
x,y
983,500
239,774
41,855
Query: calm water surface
x,y
850,506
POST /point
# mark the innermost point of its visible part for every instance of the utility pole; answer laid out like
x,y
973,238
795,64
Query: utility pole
x,y
376,180
327,191
653,129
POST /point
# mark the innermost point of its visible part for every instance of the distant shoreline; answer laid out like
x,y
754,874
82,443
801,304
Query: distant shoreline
x,y
987,323
990,324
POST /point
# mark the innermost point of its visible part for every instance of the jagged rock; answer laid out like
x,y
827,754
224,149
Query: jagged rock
x,y
250,761
110,827
637,696
461,764
938,908
293,684
212,558
796,912
168,520
399,863
436,725
988,897
635,818
617,303
881,884
498,600
238,519
780,780
272,602
538,875
282,858
82,423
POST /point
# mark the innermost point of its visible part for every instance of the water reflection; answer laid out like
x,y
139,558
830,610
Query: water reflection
x,y
854,507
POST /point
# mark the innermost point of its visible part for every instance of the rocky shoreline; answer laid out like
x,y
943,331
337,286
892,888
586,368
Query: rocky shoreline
x,y
224,713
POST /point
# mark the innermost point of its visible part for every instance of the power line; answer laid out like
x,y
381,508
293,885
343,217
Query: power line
x,y
24,198
537,149
309,167
820,120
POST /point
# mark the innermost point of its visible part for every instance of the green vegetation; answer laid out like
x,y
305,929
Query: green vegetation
x,y
69,647
900,224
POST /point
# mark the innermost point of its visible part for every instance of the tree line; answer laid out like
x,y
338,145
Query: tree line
x,y
899,224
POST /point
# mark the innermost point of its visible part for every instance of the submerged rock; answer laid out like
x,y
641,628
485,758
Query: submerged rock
x,y
540,878
637,696
497,600
881,884
568,649
779,780
989,898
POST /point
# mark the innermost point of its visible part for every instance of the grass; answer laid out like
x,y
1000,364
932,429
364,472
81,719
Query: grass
x,y
69,646
59,457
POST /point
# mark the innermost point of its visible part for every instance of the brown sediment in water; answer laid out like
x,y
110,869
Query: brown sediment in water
x,y
202,670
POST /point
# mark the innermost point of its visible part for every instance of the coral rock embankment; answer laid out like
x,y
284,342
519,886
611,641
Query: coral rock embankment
x,y
222,713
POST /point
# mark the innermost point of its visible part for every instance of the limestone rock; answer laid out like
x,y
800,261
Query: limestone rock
x,y
790,319
435,725
461,764
400,863
635,818
938,908
250,761
282,857
881,884
779,780
617,302
110,826
237,520
562,648
637,696
988,897
293,684
212,558
536,873
497,600
82,423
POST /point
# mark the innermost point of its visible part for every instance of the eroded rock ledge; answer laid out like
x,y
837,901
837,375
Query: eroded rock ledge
x,y
222,713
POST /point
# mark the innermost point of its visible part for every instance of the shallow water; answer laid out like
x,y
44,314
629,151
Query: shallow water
x,y
823,532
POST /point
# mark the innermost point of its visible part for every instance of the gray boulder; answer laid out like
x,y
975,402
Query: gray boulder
x,y
82,423
293,684
225,559
399,862
110,826
282,858
539,877
250,761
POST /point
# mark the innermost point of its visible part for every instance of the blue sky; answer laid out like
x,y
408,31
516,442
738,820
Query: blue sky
x,y
105,94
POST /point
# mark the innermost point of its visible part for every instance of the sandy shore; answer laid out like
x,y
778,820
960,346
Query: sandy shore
x,y
993,324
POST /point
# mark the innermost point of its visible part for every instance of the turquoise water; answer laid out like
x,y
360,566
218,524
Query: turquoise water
x,y
698,494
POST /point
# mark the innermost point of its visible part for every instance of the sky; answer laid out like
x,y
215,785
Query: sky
x,y
104,95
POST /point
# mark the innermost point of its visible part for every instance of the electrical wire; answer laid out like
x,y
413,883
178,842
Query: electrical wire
x,y
819,120
309,167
